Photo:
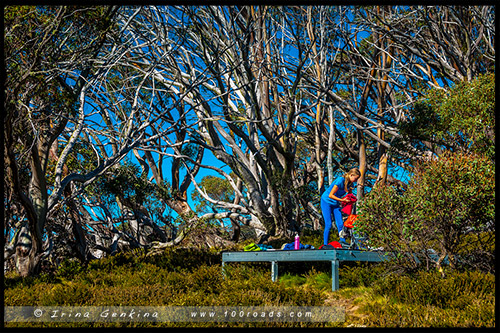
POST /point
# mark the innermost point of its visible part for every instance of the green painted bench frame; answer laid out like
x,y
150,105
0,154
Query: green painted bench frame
x,y
335,256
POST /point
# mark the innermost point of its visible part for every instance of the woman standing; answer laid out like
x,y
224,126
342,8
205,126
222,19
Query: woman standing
x,y
331,201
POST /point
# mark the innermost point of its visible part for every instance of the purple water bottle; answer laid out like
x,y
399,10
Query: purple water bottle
x,y
297,242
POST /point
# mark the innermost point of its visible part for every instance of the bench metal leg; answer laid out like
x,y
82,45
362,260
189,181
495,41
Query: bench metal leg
x,y
274,270
335,275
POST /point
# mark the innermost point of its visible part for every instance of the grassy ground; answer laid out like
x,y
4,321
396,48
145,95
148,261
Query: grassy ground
x,y
370,295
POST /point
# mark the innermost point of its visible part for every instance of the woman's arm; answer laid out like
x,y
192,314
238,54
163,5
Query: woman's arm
x,y
332,195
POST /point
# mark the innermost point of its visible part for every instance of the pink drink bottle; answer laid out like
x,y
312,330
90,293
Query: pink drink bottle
x,y
297,242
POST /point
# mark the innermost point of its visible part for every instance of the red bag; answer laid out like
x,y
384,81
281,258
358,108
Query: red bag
x,y
332,245
336,244
348,206
349,223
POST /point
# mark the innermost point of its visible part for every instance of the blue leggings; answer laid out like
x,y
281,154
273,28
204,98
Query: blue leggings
x,y
328,210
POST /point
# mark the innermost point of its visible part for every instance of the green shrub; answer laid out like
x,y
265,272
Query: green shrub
x,y
206,279
403,315
183,258
359,274
29,294
318,280
292,280
446,202
110,264
419,299
69,293
461,118
456,291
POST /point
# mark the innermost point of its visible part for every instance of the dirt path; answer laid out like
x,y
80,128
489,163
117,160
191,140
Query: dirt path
x,y
353,316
